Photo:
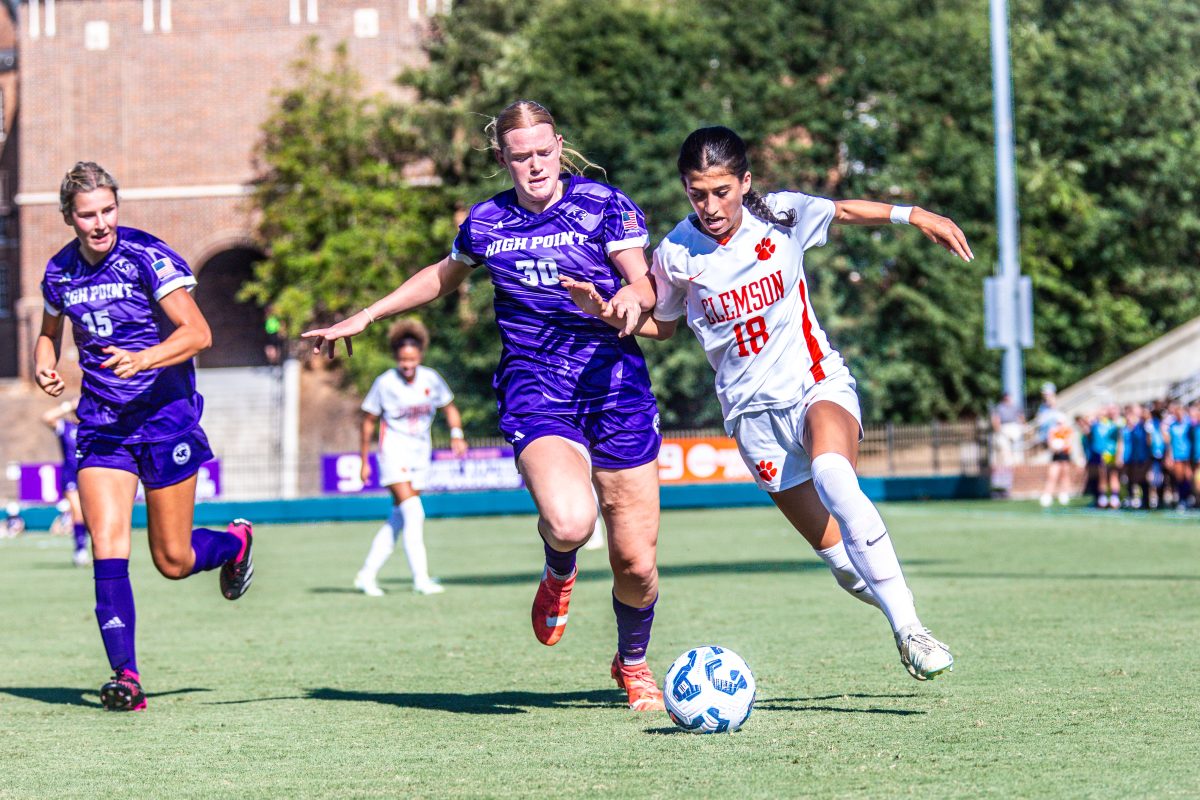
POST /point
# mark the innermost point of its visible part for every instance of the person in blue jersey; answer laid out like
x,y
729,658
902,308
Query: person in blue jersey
x,y
1105,433
1177,429
1134,456
61,420
136,328
573,396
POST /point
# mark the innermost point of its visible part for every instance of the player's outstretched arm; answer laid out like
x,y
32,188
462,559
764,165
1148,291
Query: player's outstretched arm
x,y
590,301
45,355
936,228
432,282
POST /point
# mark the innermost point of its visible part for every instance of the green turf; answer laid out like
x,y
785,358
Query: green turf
x,y
1076,636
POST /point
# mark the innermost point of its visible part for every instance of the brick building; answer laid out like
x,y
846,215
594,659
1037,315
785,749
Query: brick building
x,y
169,96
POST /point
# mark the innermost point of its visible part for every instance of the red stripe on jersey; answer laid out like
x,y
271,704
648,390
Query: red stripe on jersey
x,y
814,349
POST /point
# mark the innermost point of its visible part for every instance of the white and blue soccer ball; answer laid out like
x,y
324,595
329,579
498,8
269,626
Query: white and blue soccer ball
x,y
709,690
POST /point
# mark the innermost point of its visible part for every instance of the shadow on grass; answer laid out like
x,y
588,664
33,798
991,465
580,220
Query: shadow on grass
x,y
333,590
1052,576
808,704
780,566
482,703
64,696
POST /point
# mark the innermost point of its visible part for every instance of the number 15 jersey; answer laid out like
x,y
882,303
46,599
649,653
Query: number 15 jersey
x,y
747,301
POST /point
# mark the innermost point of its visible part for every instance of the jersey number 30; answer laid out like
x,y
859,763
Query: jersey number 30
x,y
754,334
543,272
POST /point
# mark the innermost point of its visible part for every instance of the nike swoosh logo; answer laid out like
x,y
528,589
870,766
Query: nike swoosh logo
x,y
697,275
875,541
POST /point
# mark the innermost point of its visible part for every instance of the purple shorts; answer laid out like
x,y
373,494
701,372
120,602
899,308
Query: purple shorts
x,y
158,464
616,438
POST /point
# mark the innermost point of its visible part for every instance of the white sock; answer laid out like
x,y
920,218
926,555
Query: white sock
x,y
845,574
414,538
865,537
383,544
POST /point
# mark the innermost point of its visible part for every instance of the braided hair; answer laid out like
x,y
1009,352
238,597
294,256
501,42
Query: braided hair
x,y
720,148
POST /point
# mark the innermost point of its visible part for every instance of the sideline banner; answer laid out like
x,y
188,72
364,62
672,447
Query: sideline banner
x,y
712,459
40,482
483,468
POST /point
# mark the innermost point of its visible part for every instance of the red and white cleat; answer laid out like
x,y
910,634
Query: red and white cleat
x,y
638,682
550,607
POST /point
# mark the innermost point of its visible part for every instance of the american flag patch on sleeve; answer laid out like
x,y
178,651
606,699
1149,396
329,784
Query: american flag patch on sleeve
x,y
163,268
629,221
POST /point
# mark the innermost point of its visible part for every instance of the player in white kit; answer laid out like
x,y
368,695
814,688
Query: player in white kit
x,y
403,401
786,395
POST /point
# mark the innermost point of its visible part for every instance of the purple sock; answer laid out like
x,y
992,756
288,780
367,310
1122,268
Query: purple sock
x,y
633,630
80,536
114,611
213,548
560,563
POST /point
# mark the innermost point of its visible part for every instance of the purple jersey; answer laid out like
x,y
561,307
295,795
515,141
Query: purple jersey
x,y
556,359
67,432
115,302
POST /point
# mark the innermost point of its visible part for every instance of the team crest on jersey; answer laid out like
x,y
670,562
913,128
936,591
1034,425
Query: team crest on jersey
x,y
764,248
181,454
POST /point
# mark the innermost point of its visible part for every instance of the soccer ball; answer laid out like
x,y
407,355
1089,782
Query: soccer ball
x,y
709,690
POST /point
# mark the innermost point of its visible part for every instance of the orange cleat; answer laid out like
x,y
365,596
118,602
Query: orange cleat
x,y
638,682
550,607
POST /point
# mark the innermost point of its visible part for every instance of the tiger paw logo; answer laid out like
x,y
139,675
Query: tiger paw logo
x,y
767,471
764,249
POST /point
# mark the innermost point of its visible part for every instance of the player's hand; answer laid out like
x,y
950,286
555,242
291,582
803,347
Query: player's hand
x,y
50,382
365,472
584,295
458,447
627,309
941,230
327,337
123,363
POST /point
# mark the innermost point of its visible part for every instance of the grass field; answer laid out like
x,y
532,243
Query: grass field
x,y
1076,635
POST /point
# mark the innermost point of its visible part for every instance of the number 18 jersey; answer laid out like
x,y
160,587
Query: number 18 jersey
x,y
747,301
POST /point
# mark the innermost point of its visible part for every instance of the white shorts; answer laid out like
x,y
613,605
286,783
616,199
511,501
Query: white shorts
x,y
771,440
404,461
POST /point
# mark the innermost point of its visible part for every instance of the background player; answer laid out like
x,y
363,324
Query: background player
x,y
404,400
787,396
137,329
61,420
574,398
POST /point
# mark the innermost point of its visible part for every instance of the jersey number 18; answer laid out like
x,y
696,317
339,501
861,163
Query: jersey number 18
x,y
754,334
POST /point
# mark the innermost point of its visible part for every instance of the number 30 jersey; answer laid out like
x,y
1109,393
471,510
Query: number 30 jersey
x,y
555,358
747,301
115,303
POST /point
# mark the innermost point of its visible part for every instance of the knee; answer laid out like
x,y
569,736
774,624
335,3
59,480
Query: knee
x,y
566,530
634,568
174,566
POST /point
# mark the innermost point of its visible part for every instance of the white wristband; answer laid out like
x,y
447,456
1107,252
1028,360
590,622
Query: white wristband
x,y
367,311
900,214
456,433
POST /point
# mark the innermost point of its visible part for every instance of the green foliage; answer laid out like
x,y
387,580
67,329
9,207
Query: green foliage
x,y
889,100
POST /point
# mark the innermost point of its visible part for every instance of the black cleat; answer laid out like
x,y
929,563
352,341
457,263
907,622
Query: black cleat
x,y
123,692
238,572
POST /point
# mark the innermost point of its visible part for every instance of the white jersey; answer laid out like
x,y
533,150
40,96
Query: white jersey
x,y
747,301
406,409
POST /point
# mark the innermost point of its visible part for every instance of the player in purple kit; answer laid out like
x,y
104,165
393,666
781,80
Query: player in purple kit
x,y
574,397
61,420
139,412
